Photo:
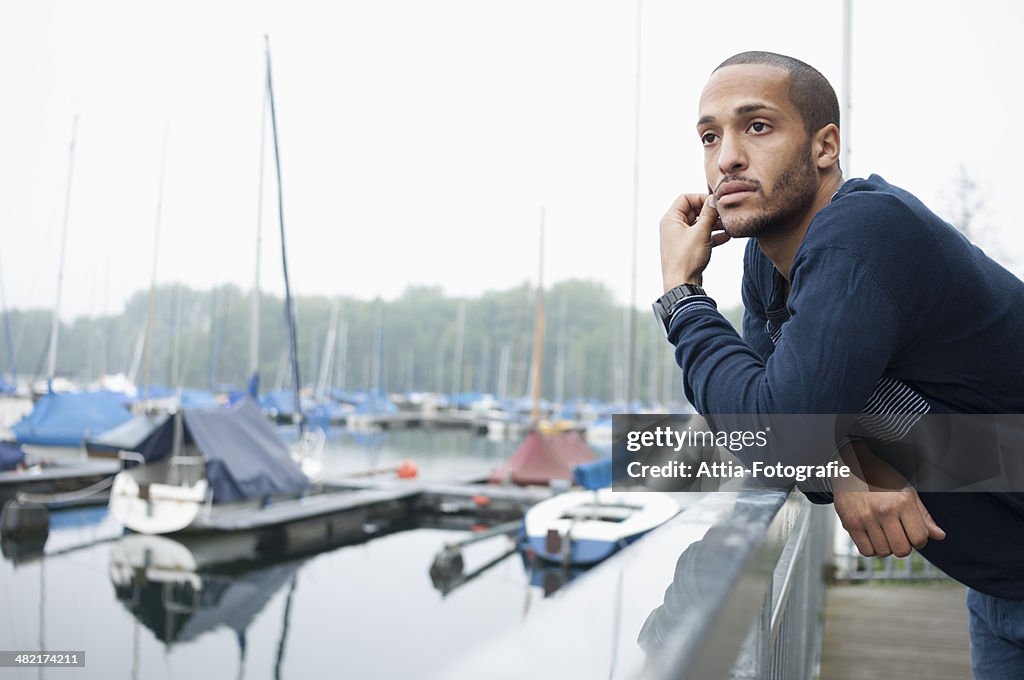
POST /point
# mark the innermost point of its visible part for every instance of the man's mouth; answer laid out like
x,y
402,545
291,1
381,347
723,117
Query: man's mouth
x,y
730,193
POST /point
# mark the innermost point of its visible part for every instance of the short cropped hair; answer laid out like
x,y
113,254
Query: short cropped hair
x,y
810,92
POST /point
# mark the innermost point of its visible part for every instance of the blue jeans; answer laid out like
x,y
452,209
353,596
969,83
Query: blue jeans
x,y
997,636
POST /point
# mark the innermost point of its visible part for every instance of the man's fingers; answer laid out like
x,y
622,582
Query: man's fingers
x,y
863,543
687,206
896,537
708,214
935,532
718,238
915,529
878,540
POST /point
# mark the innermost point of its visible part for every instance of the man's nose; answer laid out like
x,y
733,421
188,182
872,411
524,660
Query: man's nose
x,y
731,155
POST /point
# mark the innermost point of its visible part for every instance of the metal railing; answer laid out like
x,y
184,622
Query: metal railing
x,y
771,566
732,587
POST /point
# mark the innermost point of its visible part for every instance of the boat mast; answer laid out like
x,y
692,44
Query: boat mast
x,y
460,333
328,353
538,332
152,282
254,316
289,304
8,336
51,368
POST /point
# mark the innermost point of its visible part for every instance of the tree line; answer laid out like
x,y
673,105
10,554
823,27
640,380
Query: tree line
x,y
421,341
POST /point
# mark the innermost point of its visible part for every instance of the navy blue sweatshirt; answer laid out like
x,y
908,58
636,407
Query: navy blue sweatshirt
x,y
890,310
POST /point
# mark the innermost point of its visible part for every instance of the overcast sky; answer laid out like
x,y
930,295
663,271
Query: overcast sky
x,y
419,140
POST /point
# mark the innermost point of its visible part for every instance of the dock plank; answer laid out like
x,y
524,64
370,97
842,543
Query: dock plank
x,y
905,631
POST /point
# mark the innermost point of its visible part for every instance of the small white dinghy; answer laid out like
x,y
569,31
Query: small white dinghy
x,y
585,527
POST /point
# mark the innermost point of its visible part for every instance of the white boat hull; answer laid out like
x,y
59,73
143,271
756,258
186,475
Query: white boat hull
x,y
585,527
167,509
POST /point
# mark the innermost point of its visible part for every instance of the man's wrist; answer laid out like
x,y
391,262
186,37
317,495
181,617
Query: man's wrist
x,y
668,305
693,280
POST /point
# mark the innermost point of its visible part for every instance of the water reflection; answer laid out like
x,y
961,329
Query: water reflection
x,y
174,593
230,607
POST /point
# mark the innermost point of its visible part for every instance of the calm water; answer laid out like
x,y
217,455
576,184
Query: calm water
x,y
365,611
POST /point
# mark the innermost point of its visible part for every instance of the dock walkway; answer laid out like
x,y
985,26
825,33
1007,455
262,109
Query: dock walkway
x,y
896,630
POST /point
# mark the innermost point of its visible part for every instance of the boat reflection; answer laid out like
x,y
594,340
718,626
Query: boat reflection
x,y
178,595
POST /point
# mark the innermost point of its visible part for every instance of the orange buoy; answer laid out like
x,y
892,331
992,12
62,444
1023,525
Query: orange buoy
x,y
481,500
407,470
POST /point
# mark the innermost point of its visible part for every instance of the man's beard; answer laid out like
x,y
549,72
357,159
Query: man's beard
x,y
792,194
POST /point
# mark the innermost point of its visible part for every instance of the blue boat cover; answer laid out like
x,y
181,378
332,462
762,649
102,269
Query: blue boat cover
x,y
136,434
244,457
375,403
593,475
281,402
7,387
66,418
10,456
198,399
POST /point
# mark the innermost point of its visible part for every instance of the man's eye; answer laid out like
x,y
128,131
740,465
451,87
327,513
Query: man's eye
x,y
708,138
759,127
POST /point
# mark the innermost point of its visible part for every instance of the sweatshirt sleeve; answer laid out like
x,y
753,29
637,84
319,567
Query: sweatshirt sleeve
x,y
842,332
755,316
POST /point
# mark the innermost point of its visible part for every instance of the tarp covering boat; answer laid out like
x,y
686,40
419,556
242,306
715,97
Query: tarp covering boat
x,y
6,387
244,457
11,455
137,434
66,418
593,475
543,457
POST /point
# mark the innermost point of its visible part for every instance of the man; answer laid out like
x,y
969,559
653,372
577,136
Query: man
x,y
857,298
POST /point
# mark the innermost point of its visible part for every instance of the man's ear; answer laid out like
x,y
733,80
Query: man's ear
x,y
825,147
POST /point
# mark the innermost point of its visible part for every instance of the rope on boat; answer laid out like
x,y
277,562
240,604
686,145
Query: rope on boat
x,y
67,496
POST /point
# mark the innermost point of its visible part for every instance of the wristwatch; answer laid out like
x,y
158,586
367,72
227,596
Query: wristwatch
x,y
667,304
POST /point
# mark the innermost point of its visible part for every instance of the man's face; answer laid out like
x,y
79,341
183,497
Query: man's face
x,y
757,153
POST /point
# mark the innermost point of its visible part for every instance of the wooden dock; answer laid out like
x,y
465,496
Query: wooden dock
x,y
895,630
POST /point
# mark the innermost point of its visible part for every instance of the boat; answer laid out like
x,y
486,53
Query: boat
x,y
30,488
201,458
60,422
548,453
586,527
225,468
133,435
544,458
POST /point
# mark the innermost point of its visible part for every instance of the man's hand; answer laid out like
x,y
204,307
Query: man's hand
x,y
689,230
883,515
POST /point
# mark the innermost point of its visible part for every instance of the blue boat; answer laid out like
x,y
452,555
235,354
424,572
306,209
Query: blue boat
x,y
67,418
586,527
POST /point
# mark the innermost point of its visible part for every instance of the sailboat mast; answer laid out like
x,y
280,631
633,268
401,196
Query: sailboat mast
x,y
460,332
328,353
152,282
51,368
538,332
288,302
8,336
254,317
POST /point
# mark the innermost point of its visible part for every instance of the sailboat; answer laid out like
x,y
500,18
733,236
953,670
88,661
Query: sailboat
x,y
60,420
544,456
207,462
